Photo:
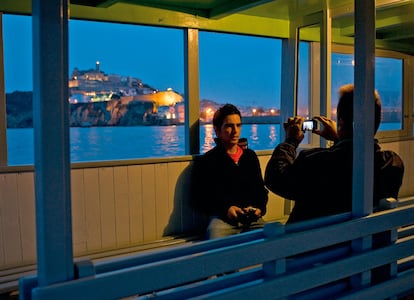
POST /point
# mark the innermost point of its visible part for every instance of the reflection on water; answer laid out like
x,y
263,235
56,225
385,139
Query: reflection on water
x,y
253,134
207,142
272,134
259,136
117,143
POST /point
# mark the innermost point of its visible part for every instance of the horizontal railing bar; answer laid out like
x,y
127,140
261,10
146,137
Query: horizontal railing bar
x,y
208,286
144,279
161,254
291,284
349,230
395,286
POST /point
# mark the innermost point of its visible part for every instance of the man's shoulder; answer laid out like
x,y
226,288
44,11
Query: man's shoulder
x,y
314,152
332,155
391,158
249,151
213,153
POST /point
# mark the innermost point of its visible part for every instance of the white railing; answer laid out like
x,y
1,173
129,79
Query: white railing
x,y
280,261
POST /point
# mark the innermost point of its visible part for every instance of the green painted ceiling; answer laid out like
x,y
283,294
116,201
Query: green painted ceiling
x,y
394,18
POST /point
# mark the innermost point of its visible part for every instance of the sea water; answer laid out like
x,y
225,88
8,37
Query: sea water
x,y
119,143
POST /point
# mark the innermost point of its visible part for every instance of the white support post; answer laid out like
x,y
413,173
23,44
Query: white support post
x,y
364,108
275,267
51,140
289,77
192,94
3,122
325,61
363,158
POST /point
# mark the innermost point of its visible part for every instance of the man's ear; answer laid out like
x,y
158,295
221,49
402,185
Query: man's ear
x,y
340,123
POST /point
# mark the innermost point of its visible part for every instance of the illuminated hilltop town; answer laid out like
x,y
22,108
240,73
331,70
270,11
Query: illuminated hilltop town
x,y
157,107
121,94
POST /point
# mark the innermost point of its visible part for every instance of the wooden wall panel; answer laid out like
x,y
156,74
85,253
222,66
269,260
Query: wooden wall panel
x,y
121,194
174,225
135,204
92,209
124,205
263,162
407,155
26,202
149,203
406,150
2,229
409,169
162,198
79,225
191,220
107,200
275,204
10,219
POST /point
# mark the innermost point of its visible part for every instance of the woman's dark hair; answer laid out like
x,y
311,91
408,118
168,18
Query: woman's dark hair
x,y
345,108
223,112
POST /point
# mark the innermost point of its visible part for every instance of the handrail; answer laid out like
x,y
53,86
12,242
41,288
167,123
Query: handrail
x,y
86,268
264,253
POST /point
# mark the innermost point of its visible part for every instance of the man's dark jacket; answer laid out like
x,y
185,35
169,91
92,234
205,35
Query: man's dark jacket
x,y
320,180
218,182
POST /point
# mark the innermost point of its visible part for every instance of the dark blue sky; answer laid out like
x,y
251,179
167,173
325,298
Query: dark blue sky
x,y
233,68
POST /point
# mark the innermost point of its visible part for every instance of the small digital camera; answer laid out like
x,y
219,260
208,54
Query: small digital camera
x,y
248,217
309,125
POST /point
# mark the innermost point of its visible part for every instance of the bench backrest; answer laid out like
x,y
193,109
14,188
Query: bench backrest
x,y
278,261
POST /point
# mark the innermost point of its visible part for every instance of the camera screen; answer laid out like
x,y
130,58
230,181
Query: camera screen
x,y
308,125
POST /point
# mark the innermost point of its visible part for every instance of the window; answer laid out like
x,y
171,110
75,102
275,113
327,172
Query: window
x,y
134,75
122,77
388,83
19,86
244,71
304,105
126,85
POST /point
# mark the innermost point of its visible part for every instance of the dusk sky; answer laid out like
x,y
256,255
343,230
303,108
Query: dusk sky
x,y
230,68
233,68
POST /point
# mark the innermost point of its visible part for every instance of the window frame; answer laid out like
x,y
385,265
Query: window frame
x,y
191,87
407,95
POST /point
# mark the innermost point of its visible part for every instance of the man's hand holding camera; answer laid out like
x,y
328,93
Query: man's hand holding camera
x,y
293,129
328,131
295,133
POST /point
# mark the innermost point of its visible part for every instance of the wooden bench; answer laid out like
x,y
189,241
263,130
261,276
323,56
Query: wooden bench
x,y
323,258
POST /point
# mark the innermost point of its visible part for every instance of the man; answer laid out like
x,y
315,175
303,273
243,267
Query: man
x,y
320,180
228,185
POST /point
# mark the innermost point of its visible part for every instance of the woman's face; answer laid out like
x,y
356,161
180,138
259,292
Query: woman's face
x,y
229,132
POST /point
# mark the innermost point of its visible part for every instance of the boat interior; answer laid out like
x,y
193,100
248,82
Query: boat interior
x,y
71,229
